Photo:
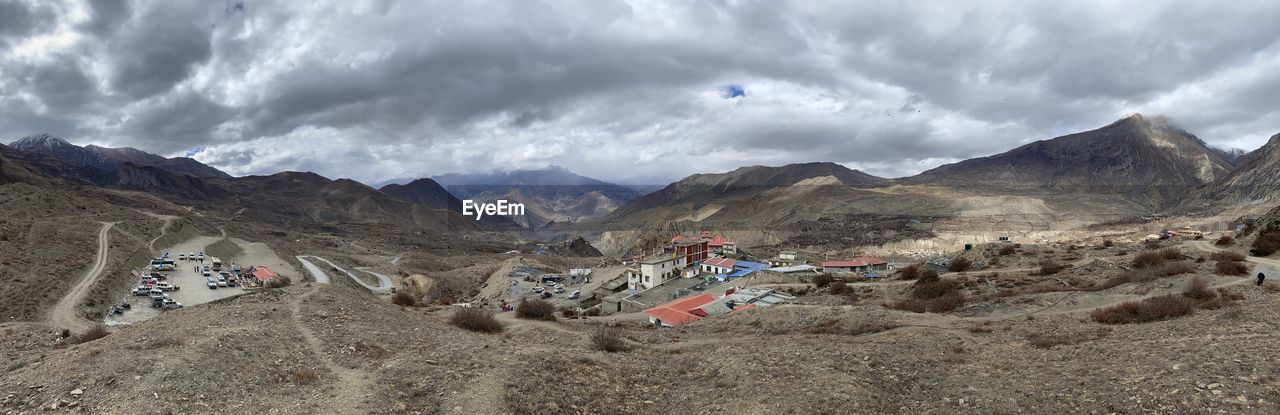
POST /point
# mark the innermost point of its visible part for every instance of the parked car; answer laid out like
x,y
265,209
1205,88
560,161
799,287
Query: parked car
x,y
222,282
169,304
575,295
164,286
538,289
213,284
141,291
148,281
232,282
182,257
206,274
159,276
559,288
157,295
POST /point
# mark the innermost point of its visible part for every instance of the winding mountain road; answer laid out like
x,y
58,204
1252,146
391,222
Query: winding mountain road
x,y
384,282
64,313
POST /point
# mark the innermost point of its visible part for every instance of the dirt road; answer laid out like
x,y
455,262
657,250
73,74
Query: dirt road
x,y
64,314
384,282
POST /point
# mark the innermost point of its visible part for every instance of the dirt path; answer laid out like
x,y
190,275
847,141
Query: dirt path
x,y
384,282
164,228
483,395
352,385
64,314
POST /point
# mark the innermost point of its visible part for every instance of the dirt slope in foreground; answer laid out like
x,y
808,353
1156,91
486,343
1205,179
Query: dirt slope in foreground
x,y
313,349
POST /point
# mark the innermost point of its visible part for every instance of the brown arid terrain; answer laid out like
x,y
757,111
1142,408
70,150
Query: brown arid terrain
x,y
328,348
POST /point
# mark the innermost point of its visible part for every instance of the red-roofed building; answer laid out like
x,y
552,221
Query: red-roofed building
x,y
718,265
721,245
262,274
679,312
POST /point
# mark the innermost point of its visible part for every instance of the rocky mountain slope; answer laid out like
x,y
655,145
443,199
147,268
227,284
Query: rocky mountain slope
x,y
701,196
1255,180
1136,155
109,159
550,195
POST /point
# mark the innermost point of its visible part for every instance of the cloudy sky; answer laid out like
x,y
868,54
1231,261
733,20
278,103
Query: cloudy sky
x,y
639,92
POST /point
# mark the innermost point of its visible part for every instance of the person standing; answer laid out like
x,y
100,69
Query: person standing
x,y
1261,277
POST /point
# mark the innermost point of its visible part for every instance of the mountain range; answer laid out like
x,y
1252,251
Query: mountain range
x,y
108,159
550,195
1136,165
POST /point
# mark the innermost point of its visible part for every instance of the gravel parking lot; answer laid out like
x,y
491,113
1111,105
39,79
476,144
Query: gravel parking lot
x,y
192,288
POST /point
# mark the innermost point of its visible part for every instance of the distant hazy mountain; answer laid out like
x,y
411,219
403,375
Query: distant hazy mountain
x,y
109,159
1255,179
758,194
550,195
1134,155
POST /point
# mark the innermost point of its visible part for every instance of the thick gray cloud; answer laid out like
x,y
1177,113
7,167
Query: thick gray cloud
x,y
625,91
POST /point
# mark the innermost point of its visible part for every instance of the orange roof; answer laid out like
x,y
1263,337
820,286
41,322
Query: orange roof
x,y
720,262
677,312
263,274
677,238
671,317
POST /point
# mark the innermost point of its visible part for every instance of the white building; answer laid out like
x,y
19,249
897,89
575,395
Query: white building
x,y
653,271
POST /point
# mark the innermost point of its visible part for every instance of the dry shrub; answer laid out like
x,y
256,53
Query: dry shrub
x,y
95,332
568,312
276,283
593,312
934,289
911,272
1107,243
1231,268
1172,254
1146,274
1267,243
839,287
608,339
404,299
927,276
1148,259
1198,289
1050,267
1006,250
535,309
476,319
960,265
1152,309
1227,256
1224,241
822,280
304,376
1047,341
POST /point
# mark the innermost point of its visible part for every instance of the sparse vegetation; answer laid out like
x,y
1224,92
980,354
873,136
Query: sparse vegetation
x,y
404,299
1152,309
1198,289
1146,274
1050,267
476,319
1224,241
1227,256
822,280
1148,259
960,265
927,276
911,272
839,288
1006,250
1267,243
95,332
1172,254
1047,341
1108,243
535,309
1231,268
608,339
